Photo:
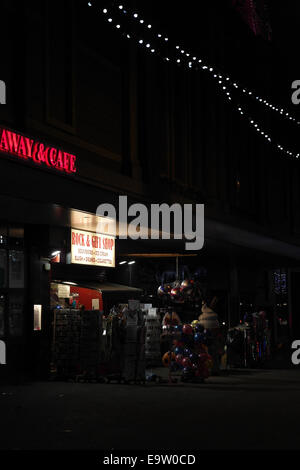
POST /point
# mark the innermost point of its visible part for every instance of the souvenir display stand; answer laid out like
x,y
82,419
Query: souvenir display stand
x,y
249,343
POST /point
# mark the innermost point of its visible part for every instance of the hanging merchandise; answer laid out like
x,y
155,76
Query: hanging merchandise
x,y
188,354
134,366
153,334
112,343
66,341
90,344
249,344
76,344
187,291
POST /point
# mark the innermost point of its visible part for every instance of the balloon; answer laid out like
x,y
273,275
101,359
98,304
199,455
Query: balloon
x,y
161,291
187,329
186,362
186,283
199,328
193,357
178,350
199,338
178,328
175,293
179,358
167,358
203,357
186,288
184,338
178,343
195,323
186,352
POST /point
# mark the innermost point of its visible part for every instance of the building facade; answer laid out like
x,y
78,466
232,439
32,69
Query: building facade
x,y
144,128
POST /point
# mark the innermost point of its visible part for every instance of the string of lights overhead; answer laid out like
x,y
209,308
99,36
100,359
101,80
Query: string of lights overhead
x,y
133,27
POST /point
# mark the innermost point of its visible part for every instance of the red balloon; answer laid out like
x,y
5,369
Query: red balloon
x,y
203,357
187,329
178,343
186,362
179,358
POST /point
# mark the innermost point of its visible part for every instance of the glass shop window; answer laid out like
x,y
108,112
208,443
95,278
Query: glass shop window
x,y
16,269
15,315
3,236
16,237
2,315
3,269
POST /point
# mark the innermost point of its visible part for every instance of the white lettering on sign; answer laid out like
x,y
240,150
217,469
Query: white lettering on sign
x,y
2,353
92,249
2,92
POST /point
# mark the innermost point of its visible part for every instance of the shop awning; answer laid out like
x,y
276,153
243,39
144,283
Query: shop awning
x,y
105,287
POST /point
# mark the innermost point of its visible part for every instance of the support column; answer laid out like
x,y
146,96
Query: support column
x,y
234,299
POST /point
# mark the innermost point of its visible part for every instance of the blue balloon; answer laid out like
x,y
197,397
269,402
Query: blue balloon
x,y
199,338
178,328
184,338
199,328
193,357
178,350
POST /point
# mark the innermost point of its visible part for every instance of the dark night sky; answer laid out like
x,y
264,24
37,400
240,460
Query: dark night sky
x,y
268,67
190,22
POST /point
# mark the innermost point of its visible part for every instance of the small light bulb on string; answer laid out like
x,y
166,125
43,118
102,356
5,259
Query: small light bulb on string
x,y
188,64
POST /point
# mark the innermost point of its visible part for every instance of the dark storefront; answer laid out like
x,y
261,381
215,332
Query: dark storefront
x,y
132,125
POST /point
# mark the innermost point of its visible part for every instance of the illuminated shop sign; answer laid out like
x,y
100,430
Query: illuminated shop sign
x,y
41,154
92,249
